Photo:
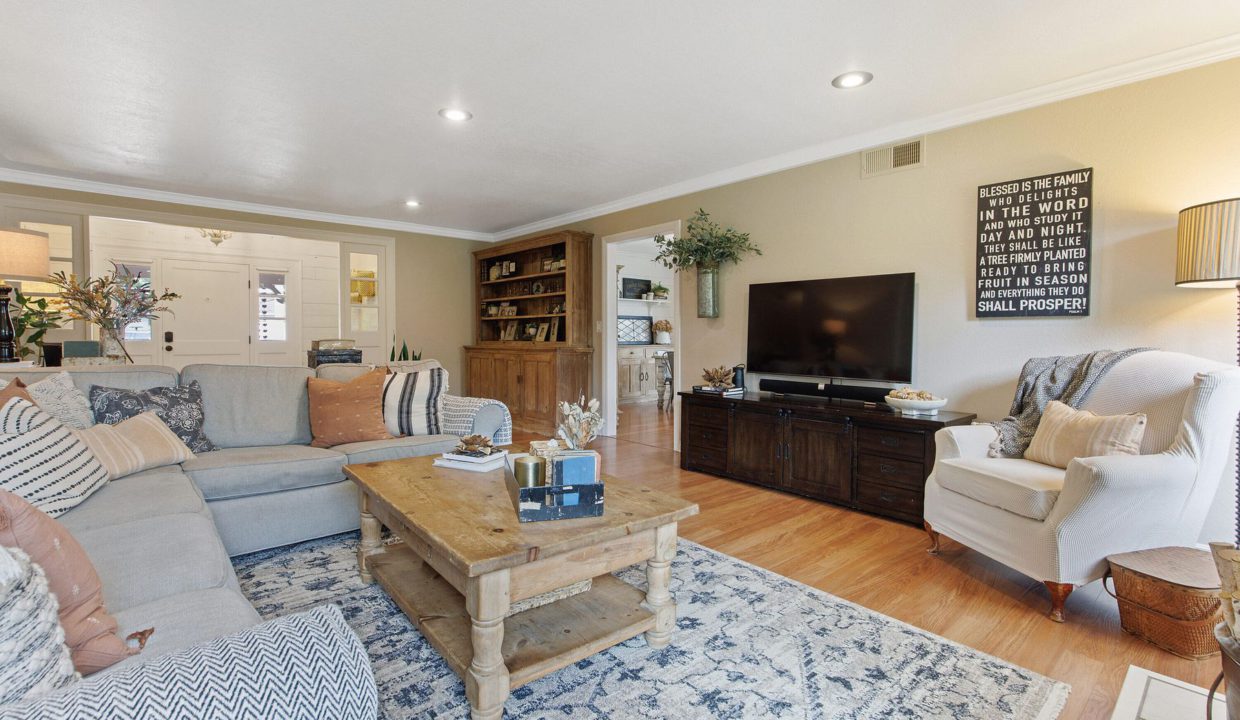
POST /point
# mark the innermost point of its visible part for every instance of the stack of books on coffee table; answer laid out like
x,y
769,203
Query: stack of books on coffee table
x,y
472,463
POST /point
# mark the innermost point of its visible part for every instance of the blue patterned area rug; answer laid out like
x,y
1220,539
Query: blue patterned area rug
x,y
750,644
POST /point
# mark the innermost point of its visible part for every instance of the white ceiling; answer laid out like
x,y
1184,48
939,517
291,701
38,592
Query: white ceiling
x,y
327,110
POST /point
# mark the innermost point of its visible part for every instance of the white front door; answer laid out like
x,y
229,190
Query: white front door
x,y
211,321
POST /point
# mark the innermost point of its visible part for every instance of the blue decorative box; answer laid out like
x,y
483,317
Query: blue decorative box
x,y
572,488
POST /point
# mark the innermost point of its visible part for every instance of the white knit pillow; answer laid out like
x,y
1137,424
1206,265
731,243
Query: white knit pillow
x,y
34,659
43,462
1065,433
60,398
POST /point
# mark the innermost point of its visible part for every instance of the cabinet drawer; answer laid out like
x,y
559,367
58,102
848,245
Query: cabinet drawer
x,y
712,459
888,500
889,471
911,445
701,415
705,436
624,352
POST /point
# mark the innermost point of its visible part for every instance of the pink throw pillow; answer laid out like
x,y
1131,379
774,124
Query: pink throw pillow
x,y
90,632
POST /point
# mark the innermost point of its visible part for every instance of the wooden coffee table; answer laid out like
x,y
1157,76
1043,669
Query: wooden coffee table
x,y
465,558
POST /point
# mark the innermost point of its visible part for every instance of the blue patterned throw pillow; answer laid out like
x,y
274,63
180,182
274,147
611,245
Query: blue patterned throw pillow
x,y
179,407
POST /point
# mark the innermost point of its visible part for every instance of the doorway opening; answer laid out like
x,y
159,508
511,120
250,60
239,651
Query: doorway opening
x,y
641,339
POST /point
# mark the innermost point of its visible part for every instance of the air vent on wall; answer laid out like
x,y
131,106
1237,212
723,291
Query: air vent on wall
x,y
890,158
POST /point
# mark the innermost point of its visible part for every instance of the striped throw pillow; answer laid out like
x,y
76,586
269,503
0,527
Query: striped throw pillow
x,y
43,462
413,402
140,443
1065,433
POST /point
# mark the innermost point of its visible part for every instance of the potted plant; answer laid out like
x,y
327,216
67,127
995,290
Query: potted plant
x,y
706,246
659,290
35,316
111,302
662,332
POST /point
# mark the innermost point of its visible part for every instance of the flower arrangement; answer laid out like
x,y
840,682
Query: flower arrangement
x,y
579,423
112,301
662,326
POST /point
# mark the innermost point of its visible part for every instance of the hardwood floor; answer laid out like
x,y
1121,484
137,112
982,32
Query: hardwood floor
x,y
883,565
646,424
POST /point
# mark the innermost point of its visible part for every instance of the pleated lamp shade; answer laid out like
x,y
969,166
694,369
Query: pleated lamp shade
x,y
23,255
1208,245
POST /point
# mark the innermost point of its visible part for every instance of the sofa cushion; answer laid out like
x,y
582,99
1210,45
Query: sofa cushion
x,y
187,618
146,559
396,448
344,372
238,472
150,493
129,377
1017,485
140,443
89,631
43,462
180,408
249,406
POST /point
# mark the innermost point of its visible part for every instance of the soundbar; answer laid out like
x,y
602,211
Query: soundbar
x,y
827,390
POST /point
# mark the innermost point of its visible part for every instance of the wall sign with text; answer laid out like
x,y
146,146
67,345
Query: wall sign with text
x,y
1033,255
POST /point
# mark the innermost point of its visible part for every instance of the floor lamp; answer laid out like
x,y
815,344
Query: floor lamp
x,y
1208,256
23,256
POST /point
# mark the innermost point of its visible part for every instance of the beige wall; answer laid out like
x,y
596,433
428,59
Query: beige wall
x,y
1155,147
434,279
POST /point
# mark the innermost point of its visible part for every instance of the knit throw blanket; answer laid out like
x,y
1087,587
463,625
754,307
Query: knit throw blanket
x,y
1066,378
459,412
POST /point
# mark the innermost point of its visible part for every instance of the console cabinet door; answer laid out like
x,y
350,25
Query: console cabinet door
x,y
755,446
538,389
817,459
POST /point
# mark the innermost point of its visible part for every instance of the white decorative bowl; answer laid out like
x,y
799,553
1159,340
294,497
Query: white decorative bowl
x,y
917,407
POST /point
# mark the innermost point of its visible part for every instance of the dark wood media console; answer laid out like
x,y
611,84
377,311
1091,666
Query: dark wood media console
x,y
838,451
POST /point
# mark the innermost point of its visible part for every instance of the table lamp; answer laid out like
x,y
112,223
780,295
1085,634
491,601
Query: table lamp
x,y
1208,256
23,256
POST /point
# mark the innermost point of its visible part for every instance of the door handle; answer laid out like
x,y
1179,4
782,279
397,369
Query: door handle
x,y
168,348
886,469
168,337
889,441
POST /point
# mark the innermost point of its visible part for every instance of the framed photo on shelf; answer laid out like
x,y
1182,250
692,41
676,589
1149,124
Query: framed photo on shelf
x,y
543,327
510,331
555,330
539,288
633,288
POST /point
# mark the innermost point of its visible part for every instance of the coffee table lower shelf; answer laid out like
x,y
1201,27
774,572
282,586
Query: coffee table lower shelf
x,y
536,642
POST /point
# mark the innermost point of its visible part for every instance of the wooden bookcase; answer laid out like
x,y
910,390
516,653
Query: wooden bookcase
x,y
526,290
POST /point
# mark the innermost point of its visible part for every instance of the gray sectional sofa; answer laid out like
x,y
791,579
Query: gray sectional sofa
x,y
161,539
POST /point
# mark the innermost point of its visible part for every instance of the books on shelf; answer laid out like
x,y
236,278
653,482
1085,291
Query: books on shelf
x,y
731,392
456,461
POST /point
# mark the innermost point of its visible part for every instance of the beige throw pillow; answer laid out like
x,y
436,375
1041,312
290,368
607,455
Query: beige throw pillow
x,y
1065,433
140,443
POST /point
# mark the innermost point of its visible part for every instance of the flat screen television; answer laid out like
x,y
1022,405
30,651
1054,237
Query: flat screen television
x,y
858,328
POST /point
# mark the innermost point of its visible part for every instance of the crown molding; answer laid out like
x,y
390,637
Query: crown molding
x,y
91,186
1218,50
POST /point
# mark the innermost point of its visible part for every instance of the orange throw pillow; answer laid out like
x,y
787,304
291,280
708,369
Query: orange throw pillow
x,y
347,412
17,388
90,632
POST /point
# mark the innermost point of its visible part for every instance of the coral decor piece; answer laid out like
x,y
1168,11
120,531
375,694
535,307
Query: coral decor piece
x,y
720,377
475,445
580,423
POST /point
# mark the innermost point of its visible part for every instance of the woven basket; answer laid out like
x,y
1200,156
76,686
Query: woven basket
x,y
1176,618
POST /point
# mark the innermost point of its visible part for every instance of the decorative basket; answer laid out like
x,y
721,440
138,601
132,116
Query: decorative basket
x,y
1168,597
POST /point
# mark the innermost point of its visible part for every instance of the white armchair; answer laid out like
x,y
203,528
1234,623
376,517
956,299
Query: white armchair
x,y
1058,526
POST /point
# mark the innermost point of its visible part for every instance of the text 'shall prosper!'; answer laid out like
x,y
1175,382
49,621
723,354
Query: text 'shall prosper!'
x,y
1033,245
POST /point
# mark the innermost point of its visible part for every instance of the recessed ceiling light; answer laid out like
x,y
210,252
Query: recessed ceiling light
x,y
850,80
412,203
455,114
